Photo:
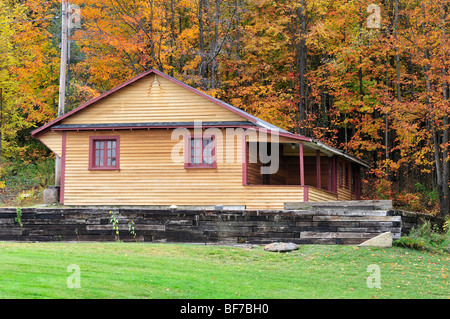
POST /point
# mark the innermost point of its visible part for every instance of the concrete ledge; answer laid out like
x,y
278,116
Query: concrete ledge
x,y
341,205
383,240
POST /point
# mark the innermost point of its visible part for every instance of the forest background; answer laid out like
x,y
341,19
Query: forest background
x,y
370,80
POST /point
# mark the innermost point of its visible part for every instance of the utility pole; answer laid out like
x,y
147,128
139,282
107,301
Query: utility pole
x,y
62,78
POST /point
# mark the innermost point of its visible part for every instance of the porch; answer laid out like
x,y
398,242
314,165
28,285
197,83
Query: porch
x,y
317,174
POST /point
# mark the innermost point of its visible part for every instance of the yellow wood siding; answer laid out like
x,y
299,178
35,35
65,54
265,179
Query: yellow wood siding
x,y
149,100
272,197
148,176
320,195
344,192
53,140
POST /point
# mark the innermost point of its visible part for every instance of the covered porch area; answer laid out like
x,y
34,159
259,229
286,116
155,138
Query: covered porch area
x,y
323,173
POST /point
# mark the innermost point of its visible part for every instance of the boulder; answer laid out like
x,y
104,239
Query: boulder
x,y
281,247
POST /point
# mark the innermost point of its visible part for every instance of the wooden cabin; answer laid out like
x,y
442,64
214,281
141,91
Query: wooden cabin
x,y
155,141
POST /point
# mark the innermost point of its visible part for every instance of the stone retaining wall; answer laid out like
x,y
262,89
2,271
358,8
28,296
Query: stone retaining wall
x,y
201,226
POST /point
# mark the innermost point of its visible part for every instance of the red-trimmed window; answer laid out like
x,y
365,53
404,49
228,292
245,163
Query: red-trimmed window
x,y
104,152
200,151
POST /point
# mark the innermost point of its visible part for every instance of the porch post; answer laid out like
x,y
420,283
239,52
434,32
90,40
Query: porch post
x,y
330,173
302,166
318,173
358,182
335,174
63,168
244,158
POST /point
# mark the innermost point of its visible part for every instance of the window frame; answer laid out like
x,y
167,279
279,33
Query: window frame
x,y
188,150
92,140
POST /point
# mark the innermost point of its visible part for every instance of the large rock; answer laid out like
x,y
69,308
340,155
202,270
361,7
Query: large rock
x,y
281,247
384,241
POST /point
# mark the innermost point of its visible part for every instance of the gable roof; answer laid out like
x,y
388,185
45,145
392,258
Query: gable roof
x,y
257,123
253,119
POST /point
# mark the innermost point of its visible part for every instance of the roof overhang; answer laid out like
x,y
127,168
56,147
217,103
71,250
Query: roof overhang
x,y
317,145
334,151
153,125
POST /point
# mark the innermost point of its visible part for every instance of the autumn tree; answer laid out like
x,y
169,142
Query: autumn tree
x,y
25,79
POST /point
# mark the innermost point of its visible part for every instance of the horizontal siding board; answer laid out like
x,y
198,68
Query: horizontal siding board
x,y
53,140
320,195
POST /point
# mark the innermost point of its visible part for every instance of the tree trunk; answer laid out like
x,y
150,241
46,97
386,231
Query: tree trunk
x,y
202,68
215,47
172,37
397,59
238,34
301,65
150,33
446,137
386,118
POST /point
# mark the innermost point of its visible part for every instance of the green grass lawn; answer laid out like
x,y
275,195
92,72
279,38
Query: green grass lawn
x,y
139,270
